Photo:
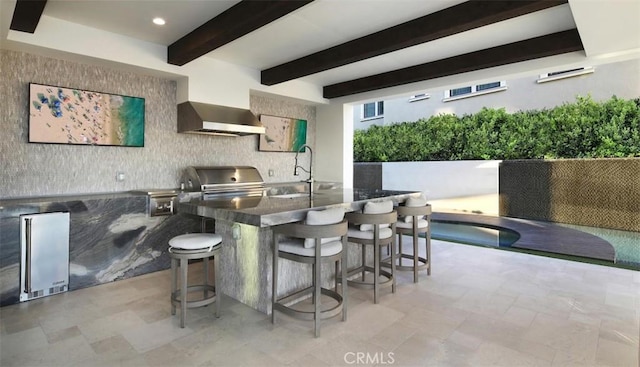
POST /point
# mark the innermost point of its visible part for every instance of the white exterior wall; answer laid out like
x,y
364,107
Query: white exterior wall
x,y
468,186
442,180
334,144
621,79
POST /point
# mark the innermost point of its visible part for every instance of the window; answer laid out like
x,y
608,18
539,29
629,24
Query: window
x,y
486,86
474,90
563,74
372,110
419,97
459,91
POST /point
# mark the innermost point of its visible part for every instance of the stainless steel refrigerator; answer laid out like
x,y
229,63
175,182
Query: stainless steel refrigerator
x,y
44,239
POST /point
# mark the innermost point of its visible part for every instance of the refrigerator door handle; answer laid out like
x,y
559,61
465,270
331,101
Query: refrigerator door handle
x,y
27,274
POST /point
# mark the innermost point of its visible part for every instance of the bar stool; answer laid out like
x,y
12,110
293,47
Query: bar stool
x,y
415,220
376,227
187,247
298,242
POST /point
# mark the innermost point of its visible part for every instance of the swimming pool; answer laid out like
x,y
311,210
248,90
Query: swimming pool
x,y
626,244
473,234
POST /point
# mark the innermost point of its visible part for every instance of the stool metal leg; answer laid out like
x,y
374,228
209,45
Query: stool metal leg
x,y
415,256
317,267
343,267
205,276
335,283
216,283
184,264
364,259
393,264
174,283
376,273
400,248
274,281
313,281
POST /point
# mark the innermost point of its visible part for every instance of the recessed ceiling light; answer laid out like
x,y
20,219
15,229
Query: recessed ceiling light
x,y
158,21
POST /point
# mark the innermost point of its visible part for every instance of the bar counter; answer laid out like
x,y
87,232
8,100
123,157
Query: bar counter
x,y
245,226
284,204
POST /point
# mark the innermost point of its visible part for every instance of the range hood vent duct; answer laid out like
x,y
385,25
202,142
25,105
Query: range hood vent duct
x,y
202,118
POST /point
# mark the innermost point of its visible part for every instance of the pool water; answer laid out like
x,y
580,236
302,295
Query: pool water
x,y
625,243
473,234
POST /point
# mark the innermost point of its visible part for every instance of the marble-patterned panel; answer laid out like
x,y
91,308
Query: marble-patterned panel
x,y
115,239
109,239
9,260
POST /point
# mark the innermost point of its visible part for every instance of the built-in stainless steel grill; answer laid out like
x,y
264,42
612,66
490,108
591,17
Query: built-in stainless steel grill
x,y
222,178
228,186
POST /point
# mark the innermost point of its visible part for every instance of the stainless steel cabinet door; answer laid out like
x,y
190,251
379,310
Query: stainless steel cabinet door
x,y
45,254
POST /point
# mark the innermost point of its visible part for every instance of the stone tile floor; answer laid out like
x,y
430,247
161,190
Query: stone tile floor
x,y
480,307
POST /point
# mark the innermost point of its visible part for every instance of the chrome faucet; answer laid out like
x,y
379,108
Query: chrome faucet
x,y
310,171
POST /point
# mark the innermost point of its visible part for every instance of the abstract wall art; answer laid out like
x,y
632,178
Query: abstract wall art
x,y
283,134
61,115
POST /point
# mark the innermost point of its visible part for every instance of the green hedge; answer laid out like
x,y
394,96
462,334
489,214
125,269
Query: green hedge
x,y
583,129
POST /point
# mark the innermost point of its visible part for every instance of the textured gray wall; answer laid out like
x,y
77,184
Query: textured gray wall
x,y
53,169
367,175
600,193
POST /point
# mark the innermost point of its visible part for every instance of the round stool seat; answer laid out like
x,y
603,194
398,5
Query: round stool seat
x,y
422,223
195,241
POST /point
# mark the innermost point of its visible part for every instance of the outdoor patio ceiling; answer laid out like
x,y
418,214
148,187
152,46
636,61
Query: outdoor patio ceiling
x,y
447,22
235,22
27,15
248,16
549,45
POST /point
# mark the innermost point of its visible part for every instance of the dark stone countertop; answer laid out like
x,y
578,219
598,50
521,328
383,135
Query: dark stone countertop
x,y
286,204
61,198
279,203
14,207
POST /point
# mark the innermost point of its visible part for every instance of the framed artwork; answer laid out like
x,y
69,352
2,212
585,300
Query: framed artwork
x,y
283,134
60,115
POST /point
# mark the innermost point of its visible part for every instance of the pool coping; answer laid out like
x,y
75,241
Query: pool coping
x,y
539,236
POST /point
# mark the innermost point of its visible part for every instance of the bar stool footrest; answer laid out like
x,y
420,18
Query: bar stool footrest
x,y
310,314
176,296
423,262
365,284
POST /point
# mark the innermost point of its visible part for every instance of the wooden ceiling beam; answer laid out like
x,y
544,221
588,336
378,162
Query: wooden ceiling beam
x,y
534,48
456,19
242,18
26,15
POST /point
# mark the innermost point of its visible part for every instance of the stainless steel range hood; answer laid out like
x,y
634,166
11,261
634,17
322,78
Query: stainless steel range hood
x,y
202,118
